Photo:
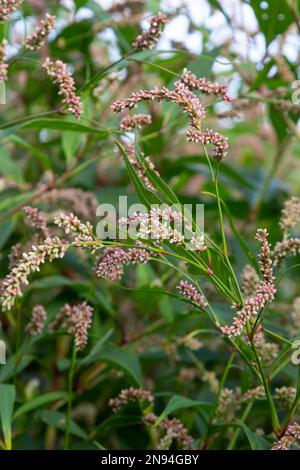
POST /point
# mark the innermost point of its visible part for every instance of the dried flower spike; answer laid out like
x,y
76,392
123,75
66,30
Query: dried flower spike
x,y
149,39
38,37
8,7
57,70
3,65
36,325
136,121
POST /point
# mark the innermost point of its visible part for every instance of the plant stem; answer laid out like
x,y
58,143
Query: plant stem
x,y
274,416
237,431
214,179
224,376
70,396
277,337
220,212
293,407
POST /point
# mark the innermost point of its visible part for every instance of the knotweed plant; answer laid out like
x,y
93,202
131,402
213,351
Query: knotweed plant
x,y
130,323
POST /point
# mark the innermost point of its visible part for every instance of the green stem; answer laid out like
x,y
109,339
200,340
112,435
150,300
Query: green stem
x,y
214,179
293,407
237,431
220,212
224,377
274,416
277,337
70,396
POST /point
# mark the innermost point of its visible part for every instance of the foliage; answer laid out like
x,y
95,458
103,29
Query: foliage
x,y
118,344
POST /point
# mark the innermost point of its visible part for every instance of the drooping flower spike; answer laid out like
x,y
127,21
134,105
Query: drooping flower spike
x,y
205,86
37,219
77,320
291,435
190,292
250,280
149,39
136,121
41,32
37,322
3,64
290,214
8,7
182,96
284,249
111,263
59,74
265,292
71,224
210,137
190,104
130,394
14,283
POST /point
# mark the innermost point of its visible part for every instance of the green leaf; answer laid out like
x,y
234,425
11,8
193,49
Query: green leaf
x,y
57,420
44,159
93,355
126,360
7,400
14,365
118,421
202,66
279,124
9,202
177,402
242,242
157,181
70,144
9,167
53,124
51,281
274,19
256,442
6,228
197,163
146,196
38,402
